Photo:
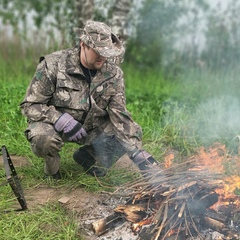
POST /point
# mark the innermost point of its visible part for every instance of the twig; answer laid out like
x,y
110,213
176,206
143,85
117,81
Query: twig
x,y
101,183
179,228
169,220
187,229
163,221
171,227
158,214
181,210
178,198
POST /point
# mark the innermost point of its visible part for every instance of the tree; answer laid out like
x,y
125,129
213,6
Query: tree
x,y
118,16
155,32
45,15
223,36
63,15
158,33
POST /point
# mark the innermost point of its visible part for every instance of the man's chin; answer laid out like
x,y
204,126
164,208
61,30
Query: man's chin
x,y
98,65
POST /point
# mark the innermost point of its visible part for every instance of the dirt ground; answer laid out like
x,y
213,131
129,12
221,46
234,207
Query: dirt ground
x,y
91,207
88,207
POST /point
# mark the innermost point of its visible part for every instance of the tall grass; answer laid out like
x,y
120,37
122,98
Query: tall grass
x,y
197,107
49,222
214,101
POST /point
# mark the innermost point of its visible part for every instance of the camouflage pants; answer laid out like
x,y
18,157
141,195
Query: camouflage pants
x,y
46,143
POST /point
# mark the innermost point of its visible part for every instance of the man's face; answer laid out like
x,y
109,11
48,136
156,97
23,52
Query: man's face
x,y
90,59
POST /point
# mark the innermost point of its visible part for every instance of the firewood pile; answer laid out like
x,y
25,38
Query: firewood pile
x,y
175,203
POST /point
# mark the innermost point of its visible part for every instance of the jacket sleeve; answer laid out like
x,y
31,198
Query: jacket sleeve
x,y
35,104
128,131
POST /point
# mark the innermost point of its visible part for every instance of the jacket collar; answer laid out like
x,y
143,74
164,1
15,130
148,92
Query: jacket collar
x,y
72,62
72,66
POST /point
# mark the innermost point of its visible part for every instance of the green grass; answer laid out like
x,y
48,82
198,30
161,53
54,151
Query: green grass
x,y
181,113
198,107
48,222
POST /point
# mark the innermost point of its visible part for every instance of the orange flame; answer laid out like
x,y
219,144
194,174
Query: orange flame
x,y
226,192
136,227
168,160
213,159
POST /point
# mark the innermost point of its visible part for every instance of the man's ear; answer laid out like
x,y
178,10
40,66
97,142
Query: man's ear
x,y
82,45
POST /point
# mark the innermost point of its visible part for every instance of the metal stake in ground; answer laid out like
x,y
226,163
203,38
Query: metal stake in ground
x,y
13,179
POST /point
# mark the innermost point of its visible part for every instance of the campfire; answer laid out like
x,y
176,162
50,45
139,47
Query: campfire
x,y
190,200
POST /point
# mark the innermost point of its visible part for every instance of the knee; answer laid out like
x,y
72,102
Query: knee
x,y
45,145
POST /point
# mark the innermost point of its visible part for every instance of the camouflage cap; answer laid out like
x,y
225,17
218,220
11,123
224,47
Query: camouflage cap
x,y
100,38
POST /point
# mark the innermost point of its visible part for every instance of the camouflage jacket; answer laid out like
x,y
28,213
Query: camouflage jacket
x,y
59,86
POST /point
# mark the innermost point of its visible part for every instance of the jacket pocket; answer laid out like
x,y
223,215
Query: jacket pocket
x,y
71,94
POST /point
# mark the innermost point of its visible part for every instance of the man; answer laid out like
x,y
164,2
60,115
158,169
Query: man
x,y
77,95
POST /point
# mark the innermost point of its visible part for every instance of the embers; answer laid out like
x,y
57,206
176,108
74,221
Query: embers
x,y
176,203
180,214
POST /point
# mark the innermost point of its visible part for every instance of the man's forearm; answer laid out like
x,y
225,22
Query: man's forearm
x,y
40,112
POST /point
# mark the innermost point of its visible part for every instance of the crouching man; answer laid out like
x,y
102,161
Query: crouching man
x,y
77,95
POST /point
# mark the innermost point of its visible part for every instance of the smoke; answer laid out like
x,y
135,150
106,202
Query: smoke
x,y
207,109
217,119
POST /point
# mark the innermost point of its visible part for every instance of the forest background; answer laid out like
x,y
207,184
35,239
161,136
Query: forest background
x,y
181,74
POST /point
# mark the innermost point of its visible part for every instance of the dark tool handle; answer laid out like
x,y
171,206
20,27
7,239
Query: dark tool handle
x,y
13,178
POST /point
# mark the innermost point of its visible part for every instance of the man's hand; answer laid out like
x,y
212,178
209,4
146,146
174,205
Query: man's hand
x,y
143,159
72,130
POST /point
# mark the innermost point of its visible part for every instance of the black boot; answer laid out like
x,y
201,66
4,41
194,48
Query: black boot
x,y
56,176
82,157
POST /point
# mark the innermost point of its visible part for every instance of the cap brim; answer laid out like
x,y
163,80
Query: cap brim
x,y
108,52
114,50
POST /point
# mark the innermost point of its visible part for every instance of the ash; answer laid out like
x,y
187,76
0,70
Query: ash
x,y
120,231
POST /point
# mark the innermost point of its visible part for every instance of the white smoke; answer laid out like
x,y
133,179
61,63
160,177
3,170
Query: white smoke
x,y
218,118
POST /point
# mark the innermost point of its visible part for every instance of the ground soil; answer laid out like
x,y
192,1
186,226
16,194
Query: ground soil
x,y
87,207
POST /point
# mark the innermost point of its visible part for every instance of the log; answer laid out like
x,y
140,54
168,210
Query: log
x,y
217,216
103,225
214,224
133,213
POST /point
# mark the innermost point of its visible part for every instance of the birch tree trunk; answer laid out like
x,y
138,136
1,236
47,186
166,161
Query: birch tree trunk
x,y
120,11
119,14
84,11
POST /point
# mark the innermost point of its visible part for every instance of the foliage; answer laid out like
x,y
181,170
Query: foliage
x,y
46,15
161,25
175,35
222,34
168,35
57,19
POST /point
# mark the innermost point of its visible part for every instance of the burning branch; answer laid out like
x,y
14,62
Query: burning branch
x,y
175,199
178,202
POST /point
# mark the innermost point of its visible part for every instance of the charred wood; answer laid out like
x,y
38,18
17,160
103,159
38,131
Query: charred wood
x,y
105,224
133,213
176,203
